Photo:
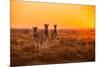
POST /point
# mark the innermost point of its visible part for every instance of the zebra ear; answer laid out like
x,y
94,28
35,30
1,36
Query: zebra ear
x,y
33,28
46,24
36,27
55,24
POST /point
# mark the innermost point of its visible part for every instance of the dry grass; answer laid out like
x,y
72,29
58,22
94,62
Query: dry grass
x,y
72,46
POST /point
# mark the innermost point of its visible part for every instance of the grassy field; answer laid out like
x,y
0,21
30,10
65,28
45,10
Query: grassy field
x,y
71,46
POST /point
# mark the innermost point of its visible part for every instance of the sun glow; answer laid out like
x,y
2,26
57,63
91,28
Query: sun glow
x,y
28,14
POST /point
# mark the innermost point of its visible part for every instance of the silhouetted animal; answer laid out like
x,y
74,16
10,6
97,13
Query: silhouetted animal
x,y
39,37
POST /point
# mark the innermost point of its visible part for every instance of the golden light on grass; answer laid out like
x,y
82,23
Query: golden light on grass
x,y
28,14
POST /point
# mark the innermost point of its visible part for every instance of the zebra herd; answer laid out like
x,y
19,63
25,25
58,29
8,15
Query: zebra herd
x,y
42,36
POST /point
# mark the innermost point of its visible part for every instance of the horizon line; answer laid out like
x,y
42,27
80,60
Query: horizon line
x,y
53,28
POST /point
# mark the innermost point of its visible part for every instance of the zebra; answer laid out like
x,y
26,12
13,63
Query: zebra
x,y
54,33
40,36
46,32
35,36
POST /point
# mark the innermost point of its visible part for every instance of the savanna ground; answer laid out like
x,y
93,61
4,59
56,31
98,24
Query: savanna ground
x,y
71,46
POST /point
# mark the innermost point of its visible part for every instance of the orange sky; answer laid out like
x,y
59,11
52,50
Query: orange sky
x,y
28,14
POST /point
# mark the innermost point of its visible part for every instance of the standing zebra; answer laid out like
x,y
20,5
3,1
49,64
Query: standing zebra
x,y
46,33
40,36
54,33
35,37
